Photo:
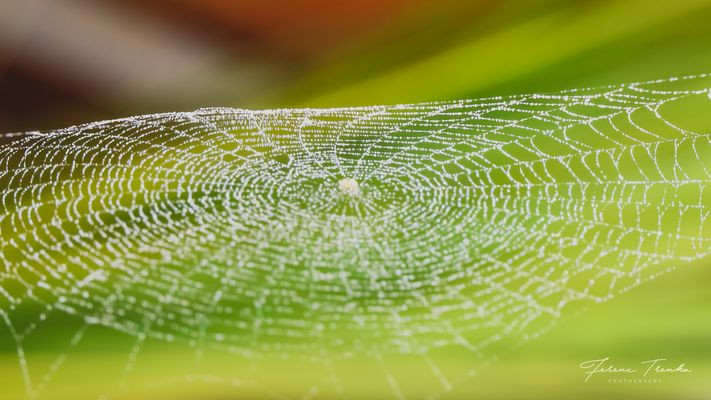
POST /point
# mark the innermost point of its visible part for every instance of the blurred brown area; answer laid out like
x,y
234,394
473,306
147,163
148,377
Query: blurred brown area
x,y
64,62
287,30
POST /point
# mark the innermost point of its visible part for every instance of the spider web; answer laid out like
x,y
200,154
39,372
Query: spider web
x,y
474,222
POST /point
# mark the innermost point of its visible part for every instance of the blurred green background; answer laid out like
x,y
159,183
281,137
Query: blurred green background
x,y
68,61
64,62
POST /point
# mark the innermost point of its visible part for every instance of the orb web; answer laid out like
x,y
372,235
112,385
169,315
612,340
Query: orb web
x,y
371,231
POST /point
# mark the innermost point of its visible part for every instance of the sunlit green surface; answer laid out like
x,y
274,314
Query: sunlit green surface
x,y
521,47
665,318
